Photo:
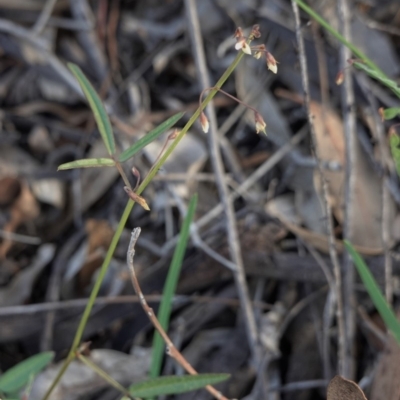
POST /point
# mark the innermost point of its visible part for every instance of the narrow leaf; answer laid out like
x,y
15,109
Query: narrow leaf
x,y
16,377
164,311
394,142
97,107
375,293
151,136
88,163
174,384
378,75
389,113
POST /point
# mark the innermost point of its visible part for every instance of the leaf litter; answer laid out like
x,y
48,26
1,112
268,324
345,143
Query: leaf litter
x,y
45,123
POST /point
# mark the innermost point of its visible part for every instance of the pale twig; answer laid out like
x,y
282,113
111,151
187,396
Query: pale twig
x,y
327,208
347,369
302,385
232,234
329,309
196,238
298,307
17,237
172,351
386,199
44,16
29,309
88,39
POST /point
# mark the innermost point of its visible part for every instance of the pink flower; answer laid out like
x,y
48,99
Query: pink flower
x,y
204,122
271,62
260,123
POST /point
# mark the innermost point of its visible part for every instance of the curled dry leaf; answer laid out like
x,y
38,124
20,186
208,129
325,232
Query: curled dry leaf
x,y
386,383
24,209
283,208
343,389
366,223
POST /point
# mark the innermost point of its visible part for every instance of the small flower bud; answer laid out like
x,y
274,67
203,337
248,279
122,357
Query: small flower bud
x,y
257,54
204,122
238,33
260,123
255,32
242,44
271,62
259,51
136,198
339,77
173,135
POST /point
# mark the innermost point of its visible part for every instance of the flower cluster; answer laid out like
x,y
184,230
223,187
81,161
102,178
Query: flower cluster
x,y
243,43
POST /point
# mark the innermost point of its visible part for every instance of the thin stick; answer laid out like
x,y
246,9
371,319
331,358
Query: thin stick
x,y
216,159
172,351
385,209
328,210
44,16
347,370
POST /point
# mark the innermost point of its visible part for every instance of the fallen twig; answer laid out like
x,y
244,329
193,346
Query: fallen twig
x,y
172,351
328,210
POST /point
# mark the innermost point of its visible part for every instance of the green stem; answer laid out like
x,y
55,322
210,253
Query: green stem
x,y
124,218
358,53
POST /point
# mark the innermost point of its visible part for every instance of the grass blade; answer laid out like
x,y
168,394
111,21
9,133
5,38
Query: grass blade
x,y
389,113
174,384
375,293
394,142
152,135
88,163
97,107
378,75
164,311
357,52
16,377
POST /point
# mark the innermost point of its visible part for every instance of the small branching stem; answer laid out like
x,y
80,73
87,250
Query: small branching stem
x,y
228,95
172,351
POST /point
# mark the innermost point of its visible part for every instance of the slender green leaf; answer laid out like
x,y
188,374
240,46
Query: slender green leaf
x,y
16,377
164,311
152,135
174,384
354,49
375,293
389,113
378,75
394,142
88,163
97,107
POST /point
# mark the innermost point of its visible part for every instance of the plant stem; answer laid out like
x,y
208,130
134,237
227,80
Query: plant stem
x,y
124,218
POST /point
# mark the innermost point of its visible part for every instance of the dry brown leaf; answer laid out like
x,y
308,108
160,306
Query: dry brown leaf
x,y
281,208
366,229
386,383
343,389
100,234
24,209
